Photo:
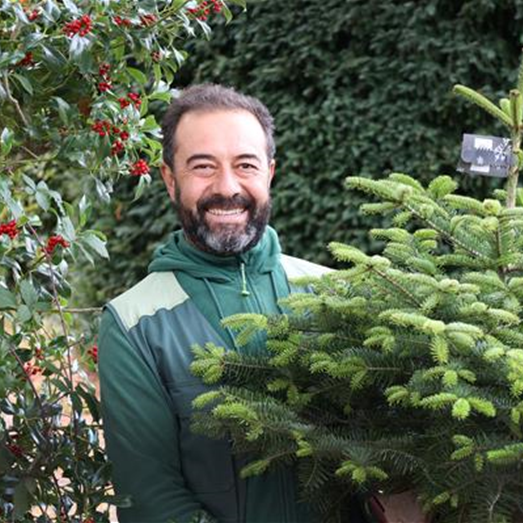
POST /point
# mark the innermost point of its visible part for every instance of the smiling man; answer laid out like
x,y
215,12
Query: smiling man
x,y
218,168
220,182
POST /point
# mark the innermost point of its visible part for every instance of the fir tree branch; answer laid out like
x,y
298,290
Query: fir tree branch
x,y
492,504
473,96
499,246
512,183
445,234
398,286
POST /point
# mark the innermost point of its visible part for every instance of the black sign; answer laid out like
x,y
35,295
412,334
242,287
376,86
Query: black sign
x,y
486,156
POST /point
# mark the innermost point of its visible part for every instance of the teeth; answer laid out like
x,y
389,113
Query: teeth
x,y
228,212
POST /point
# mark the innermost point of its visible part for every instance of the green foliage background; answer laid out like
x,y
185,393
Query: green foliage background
x,y
356,87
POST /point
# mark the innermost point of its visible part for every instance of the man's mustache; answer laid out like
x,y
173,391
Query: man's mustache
x,y
217,201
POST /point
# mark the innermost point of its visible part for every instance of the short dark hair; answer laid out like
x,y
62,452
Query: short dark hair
x,y
212,97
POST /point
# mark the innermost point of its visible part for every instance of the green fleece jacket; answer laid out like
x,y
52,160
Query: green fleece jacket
x,y
146,386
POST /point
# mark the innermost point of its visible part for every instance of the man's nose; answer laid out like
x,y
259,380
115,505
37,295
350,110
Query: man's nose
x,y
226,182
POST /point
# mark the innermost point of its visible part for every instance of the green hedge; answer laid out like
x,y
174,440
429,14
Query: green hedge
x,y
356,87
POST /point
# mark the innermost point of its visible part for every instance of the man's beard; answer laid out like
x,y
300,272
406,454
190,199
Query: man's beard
x,y
224,239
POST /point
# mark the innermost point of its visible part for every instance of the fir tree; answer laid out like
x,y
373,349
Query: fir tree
x,y
402,371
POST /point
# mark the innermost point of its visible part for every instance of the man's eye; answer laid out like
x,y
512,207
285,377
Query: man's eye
x,y
247,167
203,168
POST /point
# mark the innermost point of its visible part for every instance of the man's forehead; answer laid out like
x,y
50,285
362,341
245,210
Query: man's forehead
x,y
214,117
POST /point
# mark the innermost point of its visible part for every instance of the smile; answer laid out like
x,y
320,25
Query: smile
x,y
223,212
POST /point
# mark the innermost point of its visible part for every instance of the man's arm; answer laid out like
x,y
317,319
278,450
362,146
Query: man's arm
x,y
141,433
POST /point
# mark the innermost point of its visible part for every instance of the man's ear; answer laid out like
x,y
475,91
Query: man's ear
x,y
169,180
272,170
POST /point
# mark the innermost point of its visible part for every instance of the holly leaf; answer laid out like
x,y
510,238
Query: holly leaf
x,y
7,299
28,293
96,244
137,75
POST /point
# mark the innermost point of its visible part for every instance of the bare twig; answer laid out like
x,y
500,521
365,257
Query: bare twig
x,y
14,101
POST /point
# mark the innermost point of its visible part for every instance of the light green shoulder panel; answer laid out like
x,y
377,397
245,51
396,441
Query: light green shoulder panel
x,y
295,267
159,290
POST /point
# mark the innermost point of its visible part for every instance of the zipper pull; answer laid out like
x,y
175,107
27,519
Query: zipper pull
x,y
245,292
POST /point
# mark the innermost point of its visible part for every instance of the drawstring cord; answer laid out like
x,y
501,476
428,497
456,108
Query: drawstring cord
x,y
245,292
220,312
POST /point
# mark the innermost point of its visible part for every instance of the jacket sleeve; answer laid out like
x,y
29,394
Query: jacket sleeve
x,y
141,434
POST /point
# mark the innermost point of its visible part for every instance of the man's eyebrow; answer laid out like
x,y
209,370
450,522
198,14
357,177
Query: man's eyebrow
x,y
247,156
196,157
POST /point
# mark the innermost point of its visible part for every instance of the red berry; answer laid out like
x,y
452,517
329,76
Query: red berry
x,y
104,86
10,229
81,26
124,135
93,353
104,69
15,449
33,15
117,148
139,168
27,60
124,102
53,242
102,127
32,370
147,20
135,98
119,21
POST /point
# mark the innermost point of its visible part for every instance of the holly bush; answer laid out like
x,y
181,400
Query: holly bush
x,y
77,83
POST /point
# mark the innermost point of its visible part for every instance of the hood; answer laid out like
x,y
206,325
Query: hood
x,y
179,255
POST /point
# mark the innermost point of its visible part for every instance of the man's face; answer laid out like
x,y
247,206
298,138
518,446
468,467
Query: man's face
x,y
221,180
